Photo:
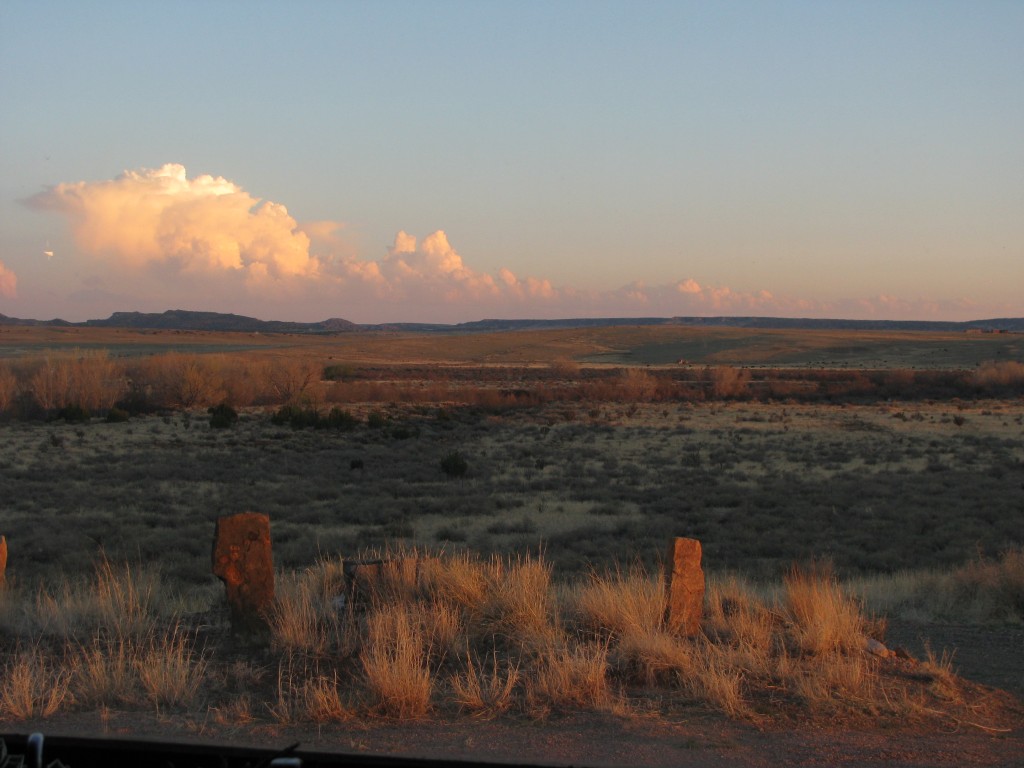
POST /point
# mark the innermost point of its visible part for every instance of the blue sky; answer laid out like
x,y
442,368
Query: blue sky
x,y
446,161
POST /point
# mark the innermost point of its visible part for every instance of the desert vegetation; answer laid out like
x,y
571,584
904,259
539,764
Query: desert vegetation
x,y
442,634
535,500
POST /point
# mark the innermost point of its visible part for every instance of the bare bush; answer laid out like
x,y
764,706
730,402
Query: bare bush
x,y
637,385
51,383
90,380
727,381
1000,376
8,388
183,381
290,380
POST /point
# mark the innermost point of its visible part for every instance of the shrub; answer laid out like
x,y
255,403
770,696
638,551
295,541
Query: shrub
x,y
454,464
296,416
339,372
73,414
341,420
8,388
222,416
405,433
185,381
117,415
728,382
89,380
289,380
376,420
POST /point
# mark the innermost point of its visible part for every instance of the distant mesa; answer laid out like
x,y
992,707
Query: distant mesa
x,y
185,320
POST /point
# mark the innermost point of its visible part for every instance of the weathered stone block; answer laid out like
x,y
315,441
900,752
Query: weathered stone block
x,y
684,587
242,559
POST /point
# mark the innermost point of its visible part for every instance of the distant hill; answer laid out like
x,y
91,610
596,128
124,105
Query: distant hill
x,y
5,320
184,320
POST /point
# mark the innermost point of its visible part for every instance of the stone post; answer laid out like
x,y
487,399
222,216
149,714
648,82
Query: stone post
x,y
242,560
684,587
3,561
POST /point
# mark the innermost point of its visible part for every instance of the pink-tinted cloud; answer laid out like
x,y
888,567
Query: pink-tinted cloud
x,y
8,282
204,224
206,243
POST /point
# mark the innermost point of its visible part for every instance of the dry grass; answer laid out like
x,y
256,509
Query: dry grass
x,y
982,591
305,617
621,603
33,684
518,608
106,673
170,670
714,681
824,619
570,676
488,637
486,692
395,663
121,601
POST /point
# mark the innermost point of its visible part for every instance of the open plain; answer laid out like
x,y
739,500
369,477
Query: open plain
x,y
895,458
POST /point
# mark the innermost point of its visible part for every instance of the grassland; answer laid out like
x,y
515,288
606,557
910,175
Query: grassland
x,y
897,458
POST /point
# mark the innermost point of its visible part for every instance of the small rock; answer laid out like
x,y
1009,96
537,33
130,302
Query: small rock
x,y
876,648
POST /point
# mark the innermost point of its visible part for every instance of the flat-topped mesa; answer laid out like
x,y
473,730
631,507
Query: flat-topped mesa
x,y
242,560
684,587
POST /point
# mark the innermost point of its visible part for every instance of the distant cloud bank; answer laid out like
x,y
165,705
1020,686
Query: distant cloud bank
x,y
205,242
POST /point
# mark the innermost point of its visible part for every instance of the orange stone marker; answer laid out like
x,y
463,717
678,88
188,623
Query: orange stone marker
x,y
684,587
242,560
3,561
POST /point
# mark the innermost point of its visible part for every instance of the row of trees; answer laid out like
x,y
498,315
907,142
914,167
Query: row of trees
x,y
94,383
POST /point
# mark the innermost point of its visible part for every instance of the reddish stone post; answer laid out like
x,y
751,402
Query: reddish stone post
x,y
3,561
242,560
684,587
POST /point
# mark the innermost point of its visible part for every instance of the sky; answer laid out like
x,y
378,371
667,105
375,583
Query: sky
x,y
452,161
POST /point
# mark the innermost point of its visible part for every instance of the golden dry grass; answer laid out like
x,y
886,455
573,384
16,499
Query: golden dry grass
x,y
461,637
33,684
395,662
486,688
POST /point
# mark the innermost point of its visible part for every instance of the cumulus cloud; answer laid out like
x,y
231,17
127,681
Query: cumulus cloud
x,y
204,224
206,243
8,282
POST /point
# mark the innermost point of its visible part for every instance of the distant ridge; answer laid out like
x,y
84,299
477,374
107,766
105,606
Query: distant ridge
x,y
185,320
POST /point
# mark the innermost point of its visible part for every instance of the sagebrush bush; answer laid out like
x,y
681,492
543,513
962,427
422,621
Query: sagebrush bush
x,y
222,416
454,464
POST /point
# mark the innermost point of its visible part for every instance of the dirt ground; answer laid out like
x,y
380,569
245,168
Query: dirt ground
x,y
692,736
697,739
